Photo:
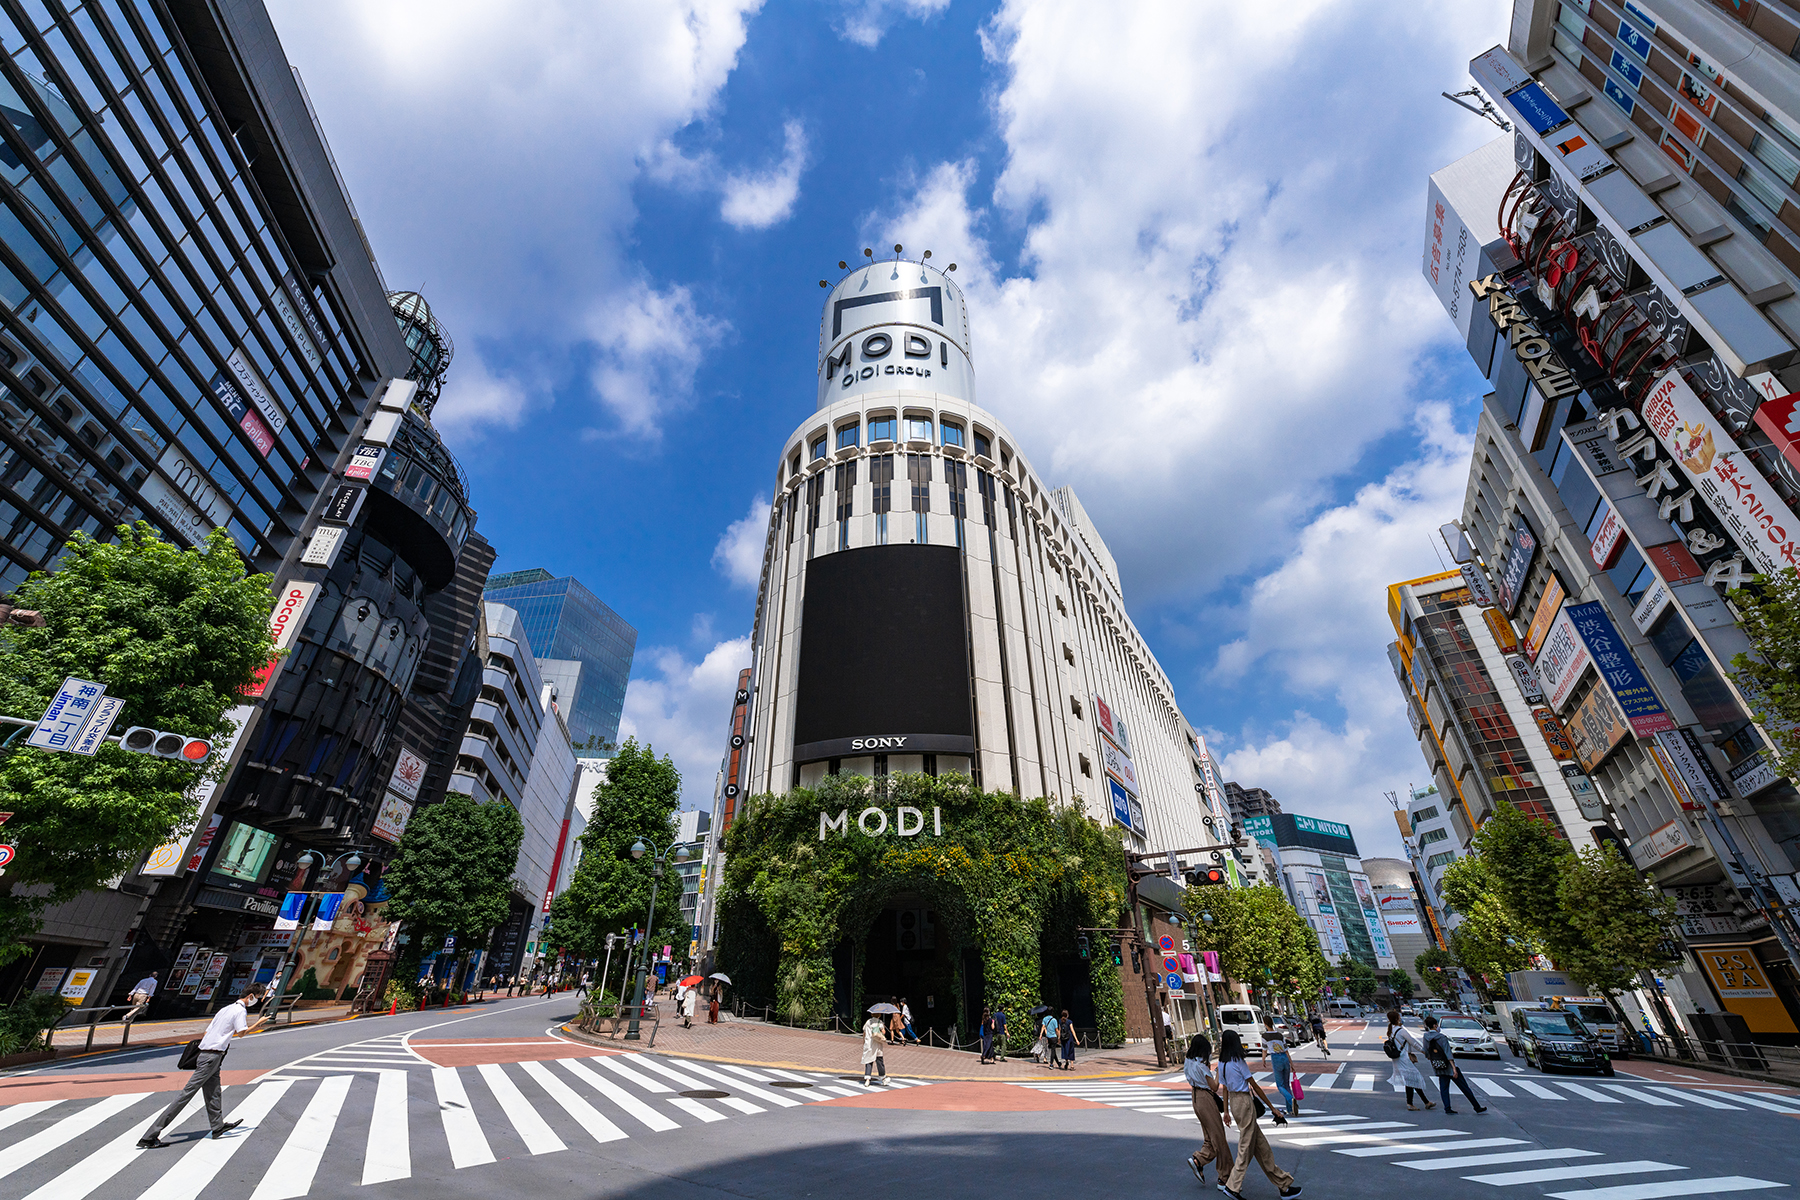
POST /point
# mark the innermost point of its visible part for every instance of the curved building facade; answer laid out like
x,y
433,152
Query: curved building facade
x,y
929,603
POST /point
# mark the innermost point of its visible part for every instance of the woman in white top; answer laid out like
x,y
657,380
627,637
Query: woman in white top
x,y
875,1040
1406,1068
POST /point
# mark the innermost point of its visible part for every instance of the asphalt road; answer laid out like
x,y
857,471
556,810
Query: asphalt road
x,y
490,1103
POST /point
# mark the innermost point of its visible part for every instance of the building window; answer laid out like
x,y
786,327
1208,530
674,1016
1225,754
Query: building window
x,y
881,764
918,471
794,464
1086,767
815,492
846,501
1438,860
818,446
881,429
982,445
918,430
1424,815
849,435
953,434
1433,835
956,474
1068,654
984,483
1060,607
1075,707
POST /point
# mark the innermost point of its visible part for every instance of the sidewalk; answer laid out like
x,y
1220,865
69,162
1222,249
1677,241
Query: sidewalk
x,y
757,1044
70,1041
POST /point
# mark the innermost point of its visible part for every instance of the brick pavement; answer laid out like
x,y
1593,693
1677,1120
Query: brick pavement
x,y
71,1040
754,1043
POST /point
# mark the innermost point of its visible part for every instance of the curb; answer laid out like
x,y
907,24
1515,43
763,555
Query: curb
x,y
608,1043
1686,1065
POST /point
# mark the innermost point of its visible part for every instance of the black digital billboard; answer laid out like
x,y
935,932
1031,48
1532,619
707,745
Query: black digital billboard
x,y
884,654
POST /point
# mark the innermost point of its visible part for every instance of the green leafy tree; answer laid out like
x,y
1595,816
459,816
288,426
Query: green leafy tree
x,y
611,890
176,634
1527,857
1401,984
1624,922
1260,939
1769,614
1489,942
1359,979
1438,969
453,874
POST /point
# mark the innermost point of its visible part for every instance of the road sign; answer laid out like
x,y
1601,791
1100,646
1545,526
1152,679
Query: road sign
x,y
5,817
93,734
1171,964
449,943
68,712
1174,982
1165,943
6,854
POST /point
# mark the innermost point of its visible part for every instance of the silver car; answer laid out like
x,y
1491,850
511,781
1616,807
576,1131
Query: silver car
x,y
1468,1037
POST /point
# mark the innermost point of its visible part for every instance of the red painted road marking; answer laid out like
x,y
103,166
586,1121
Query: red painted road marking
x,y
961,1097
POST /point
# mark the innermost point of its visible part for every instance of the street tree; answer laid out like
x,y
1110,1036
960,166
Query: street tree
x,y
1438,969
1490,942
1624,922
1260,939
453,874
611,889
1401,984
1769,613
176,634
1359,979
1528,857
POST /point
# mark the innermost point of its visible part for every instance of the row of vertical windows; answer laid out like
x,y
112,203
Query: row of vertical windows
x,y
918,429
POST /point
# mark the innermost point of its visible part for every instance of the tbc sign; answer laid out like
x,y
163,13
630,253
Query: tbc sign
x,y
908,821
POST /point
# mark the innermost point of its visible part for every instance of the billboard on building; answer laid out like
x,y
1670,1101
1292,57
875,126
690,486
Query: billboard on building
x,y
1460,204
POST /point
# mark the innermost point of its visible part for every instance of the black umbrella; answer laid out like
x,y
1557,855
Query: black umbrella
x,y
1039,1011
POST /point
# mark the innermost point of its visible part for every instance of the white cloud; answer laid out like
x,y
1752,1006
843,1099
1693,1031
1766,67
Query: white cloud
x,y
866,22
649,344
759,201
499,176
684,711
739,554
475,399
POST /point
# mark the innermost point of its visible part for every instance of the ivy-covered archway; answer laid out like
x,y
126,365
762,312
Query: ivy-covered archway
x,y
1009,878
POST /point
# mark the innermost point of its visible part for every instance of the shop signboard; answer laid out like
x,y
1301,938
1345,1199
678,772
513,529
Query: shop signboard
x,y
409,773
1477,584
1562,660
76,983
1636,698
295,598
1682,751
1523,549
1121,802
1587,797
1554,737
50,981
1743,985
1651,606
1753,513
1608,540
1502,629
1526,676
1119,767
1753,774
1660,843
1549,604
390,821
1596,727
1112,725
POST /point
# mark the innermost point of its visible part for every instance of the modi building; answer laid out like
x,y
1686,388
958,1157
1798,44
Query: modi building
x,y
930,605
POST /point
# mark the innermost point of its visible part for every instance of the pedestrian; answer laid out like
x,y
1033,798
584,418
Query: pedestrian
x,y
1068,1042
1168,1025
1318,1032
1403,1046
1038,1047
226,1024
712,1007
1242,1094
875,1040
896,1029
1443,1061
1050,1035
1275,1050
141,995
987,1035
906,1022
1000,1034
688,1000
1209,1107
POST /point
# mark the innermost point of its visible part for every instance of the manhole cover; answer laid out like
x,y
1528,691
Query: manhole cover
x,y
706,1095
788,1083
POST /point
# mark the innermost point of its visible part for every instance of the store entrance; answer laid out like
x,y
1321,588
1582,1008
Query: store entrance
x,y
907,954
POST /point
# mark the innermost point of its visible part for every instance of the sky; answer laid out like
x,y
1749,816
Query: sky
x,y
1189,234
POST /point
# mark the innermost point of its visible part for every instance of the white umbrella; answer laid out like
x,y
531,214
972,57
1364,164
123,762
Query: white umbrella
x,y
883,1009
720,975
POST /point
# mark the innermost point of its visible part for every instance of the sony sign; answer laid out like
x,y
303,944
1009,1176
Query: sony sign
x,y
877,743
908,822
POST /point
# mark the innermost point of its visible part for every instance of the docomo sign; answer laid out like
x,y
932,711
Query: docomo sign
x,y
908,822
284,624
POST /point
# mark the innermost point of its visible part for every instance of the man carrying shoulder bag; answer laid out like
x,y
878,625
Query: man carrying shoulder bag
x,y
208,1054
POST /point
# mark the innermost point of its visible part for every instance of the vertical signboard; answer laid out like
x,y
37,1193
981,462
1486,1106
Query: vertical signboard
x,y
1548,606
291,605
1619,671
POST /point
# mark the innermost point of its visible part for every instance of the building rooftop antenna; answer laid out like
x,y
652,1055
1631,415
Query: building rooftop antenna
x,y
1486,112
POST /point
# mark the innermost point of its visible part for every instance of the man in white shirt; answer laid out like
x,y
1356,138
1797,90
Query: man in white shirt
x,y
140,996
226,1024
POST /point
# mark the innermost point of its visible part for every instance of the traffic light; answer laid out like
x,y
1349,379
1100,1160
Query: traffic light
x,y
140,739
1082,944
1137,961
1207,877
1118,960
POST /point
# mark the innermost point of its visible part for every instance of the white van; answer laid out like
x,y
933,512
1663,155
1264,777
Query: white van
x,y
1247,1019
1342,1006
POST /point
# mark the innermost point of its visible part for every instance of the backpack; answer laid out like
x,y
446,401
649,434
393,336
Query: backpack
x,y
1390,1047
1438,1051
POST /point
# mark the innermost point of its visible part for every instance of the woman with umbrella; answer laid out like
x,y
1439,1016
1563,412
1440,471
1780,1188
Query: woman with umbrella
x,y
720,981
875,1039
690,998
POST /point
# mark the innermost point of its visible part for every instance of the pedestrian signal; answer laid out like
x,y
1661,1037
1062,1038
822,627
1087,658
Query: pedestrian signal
x,y
1082,943
1118,959
177,746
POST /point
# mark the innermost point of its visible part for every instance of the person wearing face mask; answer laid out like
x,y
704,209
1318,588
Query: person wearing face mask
x,y
226,1024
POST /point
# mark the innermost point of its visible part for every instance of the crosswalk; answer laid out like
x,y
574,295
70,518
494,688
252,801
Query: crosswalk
x,y
1133,1094
1398,1142
321,1131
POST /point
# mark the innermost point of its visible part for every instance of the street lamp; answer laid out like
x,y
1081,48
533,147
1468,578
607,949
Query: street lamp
x,y
658,857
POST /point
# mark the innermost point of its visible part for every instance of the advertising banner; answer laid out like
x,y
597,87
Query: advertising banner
x,y
250,382
1562,660
1112,725
291,605
1548,606
1636,698
1459,202
326,914
409,773
1753,513
293,905
1259,829
391,821
1121,802
1554,736
1526,676
1119,767
1401,916
1523,549
1596,726
1743,984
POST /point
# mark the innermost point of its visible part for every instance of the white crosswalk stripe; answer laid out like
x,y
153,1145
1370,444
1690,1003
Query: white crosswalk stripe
x,y
207,1157
1583,1171
290,1176
1427,1147
1482,1160
1672,1187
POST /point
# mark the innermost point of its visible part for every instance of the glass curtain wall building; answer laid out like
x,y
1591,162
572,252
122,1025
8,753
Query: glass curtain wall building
x,y
563,619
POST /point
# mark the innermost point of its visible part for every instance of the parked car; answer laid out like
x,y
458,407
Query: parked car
x,y
1468,1037
1247,1019
1407,1010
1552,1039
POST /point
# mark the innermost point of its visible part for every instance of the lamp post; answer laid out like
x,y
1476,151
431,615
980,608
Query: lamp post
x,y
658,857
350,861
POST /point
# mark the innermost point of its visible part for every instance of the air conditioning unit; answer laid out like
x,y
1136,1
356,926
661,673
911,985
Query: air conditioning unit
x,y
915,929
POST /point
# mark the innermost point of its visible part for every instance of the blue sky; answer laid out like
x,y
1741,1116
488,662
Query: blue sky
x,y
1189,235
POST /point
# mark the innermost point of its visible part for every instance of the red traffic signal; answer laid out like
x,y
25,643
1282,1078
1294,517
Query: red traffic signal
x,y
1208,877
180,747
